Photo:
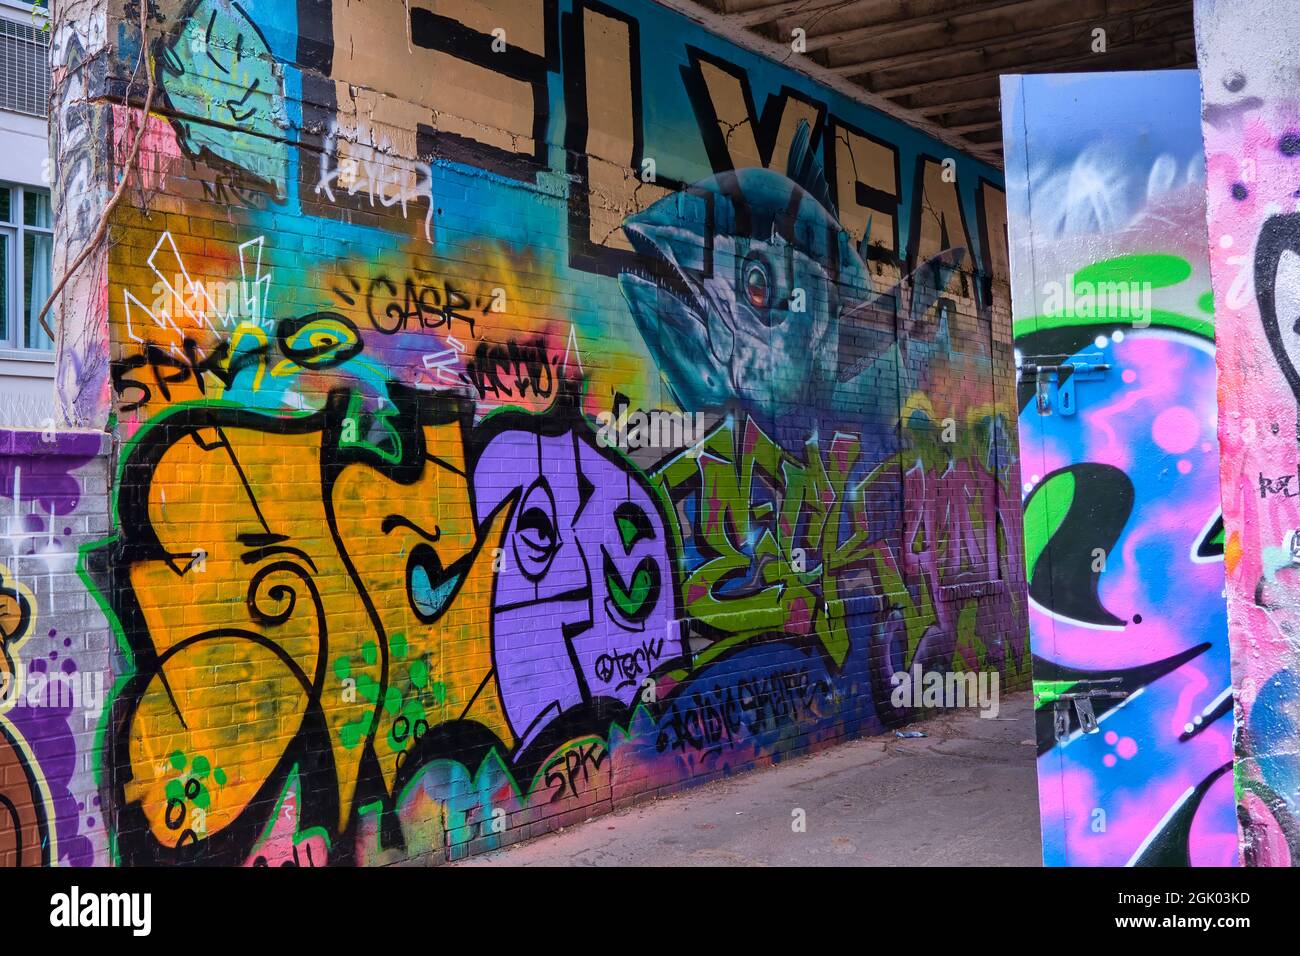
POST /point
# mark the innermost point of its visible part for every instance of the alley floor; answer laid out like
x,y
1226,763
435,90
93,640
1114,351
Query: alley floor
x,y
966,795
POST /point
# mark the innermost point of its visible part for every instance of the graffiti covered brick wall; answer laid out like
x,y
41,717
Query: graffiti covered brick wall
x,y
56,667
1251,126
524,408
1124,539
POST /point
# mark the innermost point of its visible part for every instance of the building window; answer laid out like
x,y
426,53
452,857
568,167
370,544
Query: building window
x,y
24,67
26,260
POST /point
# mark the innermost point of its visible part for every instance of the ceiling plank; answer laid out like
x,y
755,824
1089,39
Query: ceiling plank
x,y
1023,39
873,31
1099,62
976,127
759,43
956,106
758,16
897,51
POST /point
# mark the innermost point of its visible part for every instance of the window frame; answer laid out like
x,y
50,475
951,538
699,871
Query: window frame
x,y
13,343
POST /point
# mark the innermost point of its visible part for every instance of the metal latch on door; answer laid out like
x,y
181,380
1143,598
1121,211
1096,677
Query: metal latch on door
x,y
1080,695
1061,379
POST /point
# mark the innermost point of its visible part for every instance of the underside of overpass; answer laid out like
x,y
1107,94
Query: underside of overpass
x,y
659,190
939,61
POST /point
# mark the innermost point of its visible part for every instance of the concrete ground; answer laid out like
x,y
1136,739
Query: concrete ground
x,y
966,795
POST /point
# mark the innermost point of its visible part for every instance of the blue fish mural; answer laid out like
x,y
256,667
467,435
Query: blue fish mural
x,y
753,294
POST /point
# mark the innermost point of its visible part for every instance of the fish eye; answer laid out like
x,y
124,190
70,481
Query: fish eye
x,y
757,287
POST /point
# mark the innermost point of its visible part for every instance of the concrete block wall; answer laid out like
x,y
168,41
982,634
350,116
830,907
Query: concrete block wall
x,y
520,409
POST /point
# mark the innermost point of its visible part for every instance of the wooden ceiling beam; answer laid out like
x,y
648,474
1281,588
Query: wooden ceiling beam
x,y
979,136
955,106
769,12
1099,62
1023,39
873,31
975,127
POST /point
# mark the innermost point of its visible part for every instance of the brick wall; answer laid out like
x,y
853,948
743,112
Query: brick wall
x,y
523,409
56,663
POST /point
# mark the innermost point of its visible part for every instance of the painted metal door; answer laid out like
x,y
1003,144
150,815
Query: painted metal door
x,y
1123,533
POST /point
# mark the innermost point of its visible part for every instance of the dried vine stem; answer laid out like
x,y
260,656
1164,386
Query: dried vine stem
x,y
102,228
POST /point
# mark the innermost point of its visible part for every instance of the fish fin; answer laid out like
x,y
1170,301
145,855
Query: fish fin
x,y
804,167
867,330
